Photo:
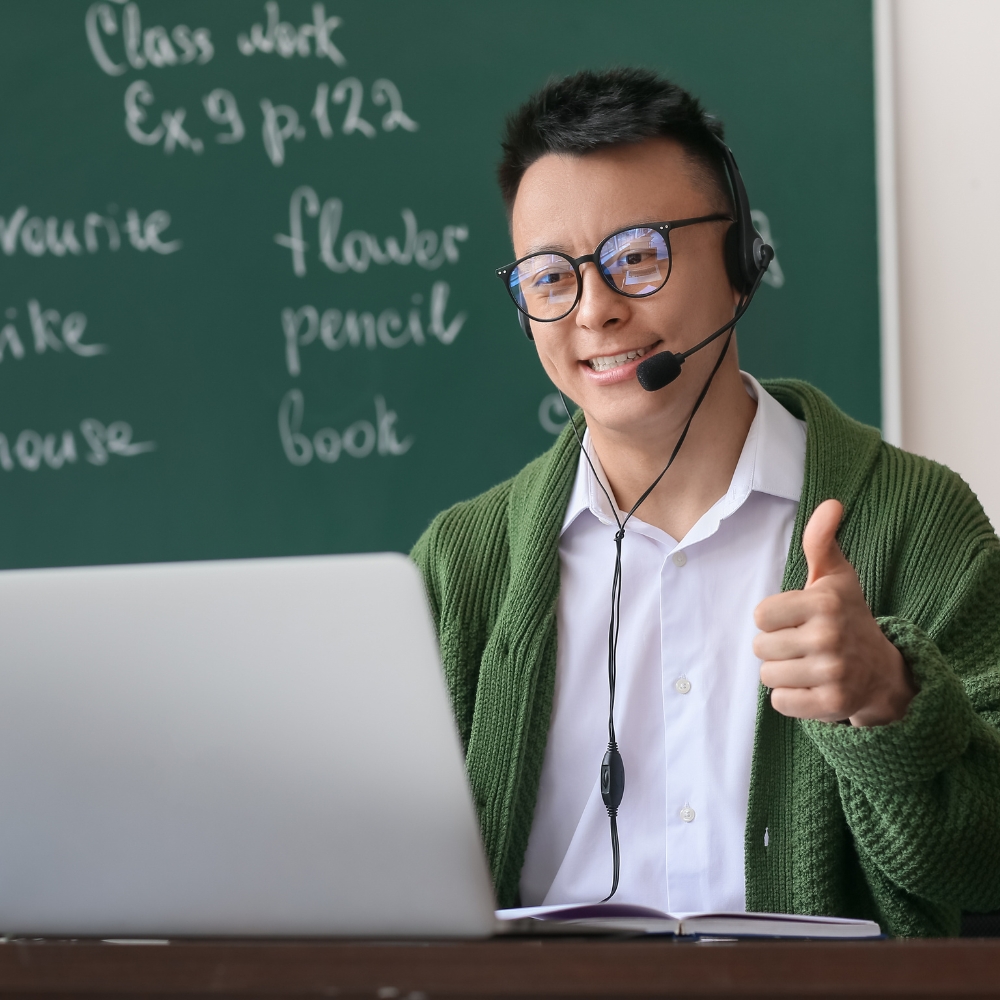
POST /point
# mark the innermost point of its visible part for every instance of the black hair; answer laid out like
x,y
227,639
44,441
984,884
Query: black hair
x,y
590,111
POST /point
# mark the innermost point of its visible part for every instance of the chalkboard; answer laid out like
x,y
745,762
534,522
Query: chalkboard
x,y
247,300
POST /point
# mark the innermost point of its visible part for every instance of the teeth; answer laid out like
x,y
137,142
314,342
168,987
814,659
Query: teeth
x,y
614,360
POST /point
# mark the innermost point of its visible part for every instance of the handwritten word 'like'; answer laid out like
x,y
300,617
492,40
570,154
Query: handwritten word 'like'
x,y
287,40
359,440
32,449
360,249
335,329
153,47
40,236
44,327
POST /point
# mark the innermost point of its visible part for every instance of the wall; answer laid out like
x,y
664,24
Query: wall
x,y
947,98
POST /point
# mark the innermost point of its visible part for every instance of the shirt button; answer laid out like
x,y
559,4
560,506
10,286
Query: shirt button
x,y
682,685
687,814
679,558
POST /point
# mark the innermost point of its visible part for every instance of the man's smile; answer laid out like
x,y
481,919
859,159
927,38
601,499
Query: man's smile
x,y
612,367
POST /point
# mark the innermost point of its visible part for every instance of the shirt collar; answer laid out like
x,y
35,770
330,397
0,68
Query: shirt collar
x,y
772,461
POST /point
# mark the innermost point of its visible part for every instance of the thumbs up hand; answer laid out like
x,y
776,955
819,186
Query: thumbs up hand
x,y
824,655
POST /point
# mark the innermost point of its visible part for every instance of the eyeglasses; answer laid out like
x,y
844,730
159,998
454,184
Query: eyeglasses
x,y
635,262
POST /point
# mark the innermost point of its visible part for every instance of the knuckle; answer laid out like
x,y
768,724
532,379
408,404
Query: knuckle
x,y
825,635
834,670
832,703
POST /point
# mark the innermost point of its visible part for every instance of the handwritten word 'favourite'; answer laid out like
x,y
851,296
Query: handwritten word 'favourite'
x,y
33,450
46,331
335,329
40,236
154,46
359,440
358,249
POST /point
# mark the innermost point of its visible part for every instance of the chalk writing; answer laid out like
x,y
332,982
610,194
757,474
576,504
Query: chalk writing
x,y
32,450
287,40
39,236
115,439
152,47
220,106
335,329
361,439
280,124
360,249
552,413
773,276
170,129
383,91
47,334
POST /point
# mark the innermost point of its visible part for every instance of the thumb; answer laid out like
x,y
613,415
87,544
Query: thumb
x,y
819,541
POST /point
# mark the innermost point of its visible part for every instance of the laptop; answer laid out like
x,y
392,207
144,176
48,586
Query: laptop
x,y
259,747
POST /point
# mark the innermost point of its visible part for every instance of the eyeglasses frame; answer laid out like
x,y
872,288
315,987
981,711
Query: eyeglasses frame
x,y
663,228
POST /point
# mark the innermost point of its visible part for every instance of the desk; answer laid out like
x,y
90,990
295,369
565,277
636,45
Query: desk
x,y
503,968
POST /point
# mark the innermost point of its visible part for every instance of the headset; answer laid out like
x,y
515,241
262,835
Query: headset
x,y
746,254
747,258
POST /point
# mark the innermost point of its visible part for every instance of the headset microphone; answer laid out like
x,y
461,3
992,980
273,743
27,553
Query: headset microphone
x,y
659,370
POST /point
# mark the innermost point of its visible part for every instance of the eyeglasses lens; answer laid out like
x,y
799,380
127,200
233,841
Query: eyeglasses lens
x,y
544,286
636,262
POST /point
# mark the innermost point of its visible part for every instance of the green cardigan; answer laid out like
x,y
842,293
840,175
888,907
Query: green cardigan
x,y
897,823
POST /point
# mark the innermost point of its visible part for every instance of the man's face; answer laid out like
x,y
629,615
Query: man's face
x,y
570,203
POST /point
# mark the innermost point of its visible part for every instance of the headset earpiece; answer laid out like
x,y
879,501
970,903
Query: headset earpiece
x,y
731,252
525,325
747,255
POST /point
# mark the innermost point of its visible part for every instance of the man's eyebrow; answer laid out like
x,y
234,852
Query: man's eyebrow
x,y
547,248
562,248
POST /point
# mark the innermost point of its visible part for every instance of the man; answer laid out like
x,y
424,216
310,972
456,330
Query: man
x,y
807,663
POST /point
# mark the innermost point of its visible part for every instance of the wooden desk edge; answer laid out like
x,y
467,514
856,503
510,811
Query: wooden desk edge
x,y
504,967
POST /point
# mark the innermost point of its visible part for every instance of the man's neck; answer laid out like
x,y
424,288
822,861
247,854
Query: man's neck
x,y
704,466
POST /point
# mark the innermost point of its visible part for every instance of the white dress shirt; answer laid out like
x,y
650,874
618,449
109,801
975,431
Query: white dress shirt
x,y
686,699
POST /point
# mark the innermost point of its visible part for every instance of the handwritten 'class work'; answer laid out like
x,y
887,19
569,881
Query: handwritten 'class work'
x,y
141,48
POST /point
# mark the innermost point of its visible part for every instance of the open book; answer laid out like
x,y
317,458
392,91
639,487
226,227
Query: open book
x,y
628,918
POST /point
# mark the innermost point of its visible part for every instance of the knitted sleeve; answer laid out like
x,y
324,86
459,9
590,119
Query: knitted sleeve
x,y
922,795
462,557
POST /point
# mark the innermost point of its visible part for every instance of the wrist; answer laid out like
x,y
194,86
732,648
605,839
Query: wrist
x,y
893,696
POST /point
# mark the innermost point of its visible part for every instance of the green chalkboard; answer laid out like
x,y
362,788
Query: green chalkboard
x,y
247,301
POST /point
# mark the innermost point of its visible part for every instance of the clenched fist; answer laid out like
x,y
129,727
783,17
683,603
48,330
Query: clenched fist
x,y
824,655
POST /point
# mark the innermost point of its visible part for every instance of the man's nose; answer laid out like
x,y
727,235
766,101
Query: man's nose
x,y
599,308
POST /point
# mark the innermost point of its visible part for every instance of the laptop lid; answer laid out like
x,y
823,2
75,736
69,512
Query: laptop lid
x,y
248,747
